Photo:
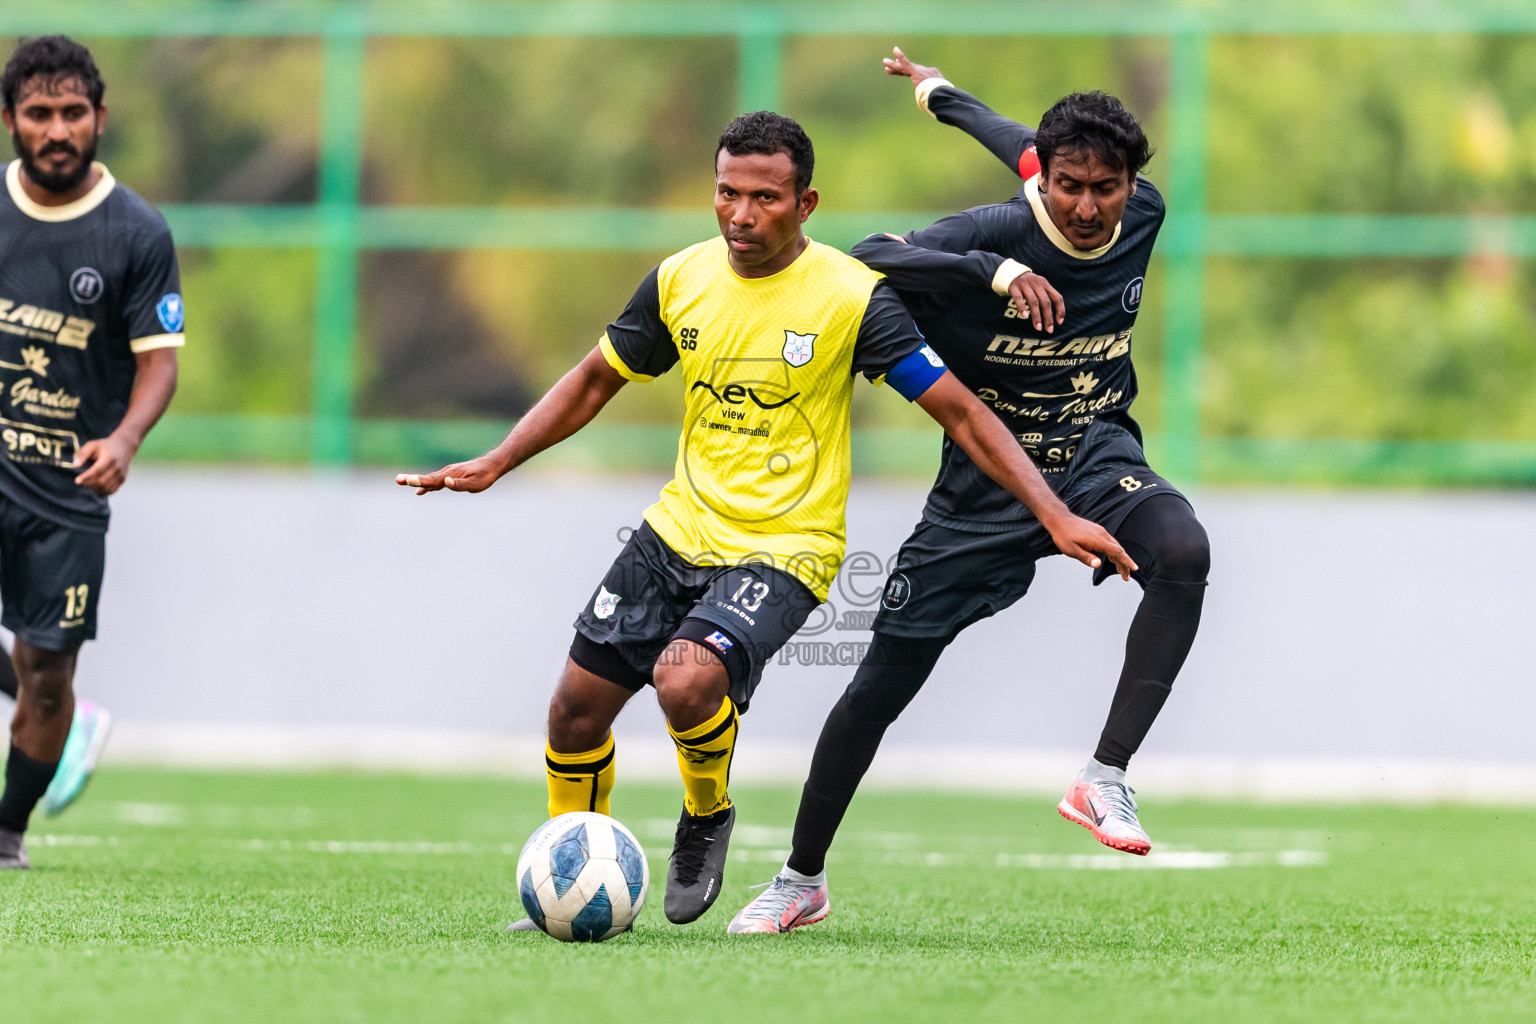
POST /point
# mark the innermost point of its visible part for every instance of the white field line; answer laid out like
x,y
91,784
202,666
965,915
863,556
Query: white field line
x,y
644,756
1186,860
34,839
1172,859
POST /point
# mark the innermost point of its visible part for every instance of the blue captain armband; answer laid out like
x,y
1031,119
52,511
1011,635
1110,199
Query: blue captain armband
x,y
916,373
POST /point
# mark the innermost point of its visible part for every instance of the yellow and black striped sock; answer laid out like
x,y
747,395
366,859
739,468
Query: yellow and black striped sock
x,y
704,758
579,782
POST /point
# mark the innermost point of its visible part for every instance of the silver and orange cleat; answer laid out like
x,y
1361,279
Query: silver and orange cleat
x,y
782,906
1108,810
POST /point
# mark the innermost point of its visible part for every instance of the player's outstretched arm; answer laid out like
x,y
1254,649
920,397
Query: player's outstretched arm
x,y
952,262
567,407
989,444
1008,140
949,258
107,458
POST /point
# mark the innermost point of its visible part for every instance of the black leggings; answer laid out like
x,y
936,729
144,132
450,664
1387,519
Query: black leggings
x,y
1168,544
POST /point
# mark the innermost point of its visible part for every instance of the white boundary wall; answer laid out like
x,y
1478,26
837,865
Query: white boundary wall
x,y
1355,645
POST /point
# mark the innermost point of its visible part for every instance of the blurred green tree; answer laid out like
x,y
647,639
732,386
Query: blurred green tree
x,y
1299,348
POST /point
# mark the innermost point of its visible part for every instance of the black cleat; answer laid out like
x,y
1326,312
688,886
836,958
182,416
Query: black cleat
x,y
698,864
13,851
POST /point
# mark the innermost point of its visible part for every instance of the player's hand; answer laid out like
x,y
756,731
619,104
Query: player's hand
x,y
473,476
1033,293
108,459
900,65
1086,541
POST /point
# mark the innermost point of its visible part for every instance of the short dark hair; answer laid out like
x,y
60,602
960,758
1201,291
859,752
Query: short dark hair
x,y
57,59
1097,123
767,133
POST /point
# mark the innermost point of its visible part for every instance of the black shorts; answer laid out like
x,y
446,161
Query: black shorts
x,y
50,579
945,579
651,596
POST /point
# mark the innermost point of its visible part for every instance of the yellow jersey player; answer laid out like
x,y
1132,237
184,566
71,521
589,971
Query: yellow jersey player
x,y
769,329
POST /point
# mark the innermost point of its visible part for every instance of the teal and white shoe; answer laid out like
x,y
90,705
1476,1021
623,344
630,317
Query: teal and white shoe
x,y
87,735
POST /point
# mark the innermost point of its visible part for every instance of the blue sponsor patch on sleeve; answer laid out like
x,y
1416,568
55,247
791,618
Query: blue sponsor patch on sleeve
x,y
171,312
916,373
719,641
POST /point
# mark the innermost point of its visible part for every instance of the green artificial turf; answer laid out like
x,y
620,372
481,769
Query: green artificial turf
x,y
179,896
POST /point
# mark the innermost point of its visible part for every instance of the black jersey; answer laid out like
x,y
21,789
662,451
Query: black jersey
x,y
1050,389
83,287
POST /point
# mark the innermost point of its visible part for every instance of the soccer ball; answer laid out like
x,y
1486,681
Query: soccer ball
x,y
582,877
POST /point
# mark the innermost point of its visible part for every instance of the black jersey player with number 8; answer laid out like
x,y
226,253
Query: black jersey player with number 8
x,y
90,321
1032,304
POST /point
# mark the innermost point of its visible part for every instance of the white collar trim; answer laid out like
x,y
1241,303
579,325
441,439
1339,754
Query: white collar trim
x,y
69,211
1043,218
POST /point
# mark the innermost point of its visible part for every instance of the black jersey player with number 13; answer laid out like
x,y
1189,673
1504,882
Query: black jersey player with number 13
x,y
90,320
1031,303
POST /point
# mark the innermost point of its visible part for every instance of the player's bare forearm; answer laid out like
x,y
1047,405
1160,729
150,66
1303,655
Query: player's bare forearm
x,y
571,404
996,453
106,459
153,386
989,444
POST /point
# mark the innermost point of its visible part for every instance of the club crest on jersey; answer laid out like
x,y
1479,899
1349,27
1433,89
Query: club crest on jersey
x,y
86,285
170,311
798,348
1130,299
605,603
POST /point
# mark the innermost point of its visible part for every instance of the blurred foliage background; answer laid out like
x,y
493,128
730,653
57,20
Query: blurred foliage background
x,y
1367,349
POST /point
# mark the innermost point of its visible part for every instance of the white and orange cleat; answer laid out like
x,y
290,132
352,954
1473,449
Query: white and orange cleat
x,y
784,905
1108,810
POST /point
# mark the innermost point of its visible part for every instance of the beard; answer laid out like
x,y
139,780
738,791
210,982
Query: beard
x,y
63,182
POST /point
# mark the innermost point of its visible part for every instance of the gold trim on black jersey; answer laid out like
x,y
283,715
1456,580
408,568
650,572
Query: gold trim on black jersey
x,y
151,342
69,211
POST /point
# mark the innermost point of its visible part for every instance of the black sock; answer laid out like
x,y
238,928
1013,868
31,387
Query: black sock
x,y
890,676
844,753
26,780
1170,546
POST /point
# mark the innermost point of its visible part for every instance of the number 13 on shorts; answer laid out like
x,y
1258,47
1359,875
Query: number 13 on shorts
x,y
755,601
75,599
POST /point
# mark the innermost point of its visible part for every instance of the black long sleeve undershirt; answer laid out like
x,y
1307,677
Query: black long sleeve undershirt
x,y
953,254
1005,138
949,257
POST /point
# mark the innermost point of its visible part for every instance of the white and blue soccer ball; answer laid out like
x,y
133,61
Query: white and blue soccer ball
x,y
582,877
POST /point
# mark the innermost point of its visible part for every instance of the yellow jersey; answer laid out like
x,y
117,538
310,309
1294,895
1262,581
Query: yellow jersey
x,y
763,461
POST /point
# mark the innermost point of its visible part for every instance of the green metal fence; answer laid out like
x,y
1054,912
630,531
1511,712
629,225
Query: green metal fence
x,y
339,228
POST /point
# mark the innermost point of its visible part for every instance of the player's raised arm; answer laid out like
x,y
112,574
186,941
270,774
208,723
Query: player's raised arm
x,y
637,346
1008,140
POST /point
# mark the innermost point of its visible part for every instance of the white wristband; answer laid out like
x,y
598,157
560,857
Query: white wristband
x,y
925,89
1005,275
